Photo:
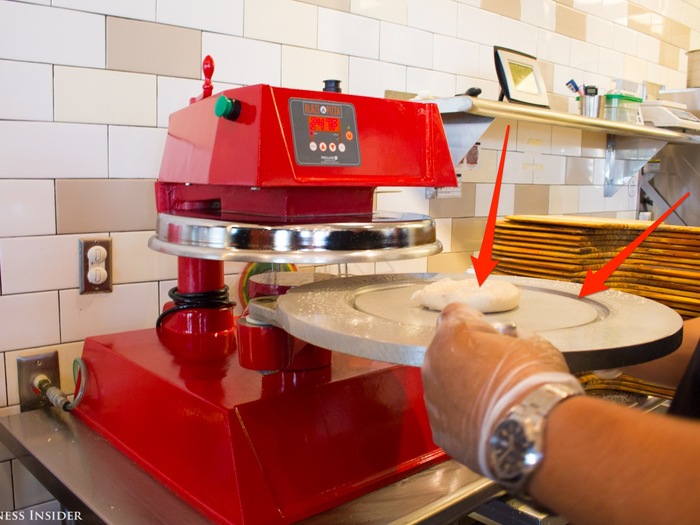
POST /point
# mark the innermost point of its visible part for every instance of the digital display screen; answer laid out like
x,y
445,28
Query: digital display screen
x,y
324,124
524,78
684,115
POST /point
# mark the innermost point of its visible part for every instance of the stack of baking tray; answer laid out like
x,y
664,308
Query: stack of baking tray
x,y
665,267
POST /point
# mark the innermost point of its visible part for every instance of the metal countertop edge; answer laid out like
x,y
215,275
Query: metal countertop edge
x,y
65,465
49,481
455,505
25,435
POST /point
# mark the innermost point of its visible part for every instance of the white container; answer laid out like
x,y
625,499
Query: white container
x,y
623,108
693,68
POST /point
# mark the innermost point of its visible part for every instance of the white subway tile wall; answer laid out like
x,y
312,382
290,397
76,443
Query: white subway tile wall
x,y
52,150
436,16
3,393
540,13
372,78
26,91
484,195
35,264
50,35
405,45
443,229
77,111
218,16
99,96
139,9
410,200
269,20
395,11
308,68
435,83
135,152
348,34
134,262
27,207
477,25
28,320
453,55
128,307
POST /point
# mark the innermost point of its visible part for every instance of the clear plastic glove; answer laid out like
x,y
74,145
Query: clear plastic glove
x,y
472,375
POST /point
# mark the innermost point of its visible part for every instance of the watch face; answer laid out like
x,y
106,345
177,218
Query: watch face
x,y
508,448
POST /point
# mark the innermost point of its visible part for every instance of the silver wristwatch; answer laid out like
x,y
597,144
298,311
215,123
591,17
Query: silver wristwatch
x,y
515,448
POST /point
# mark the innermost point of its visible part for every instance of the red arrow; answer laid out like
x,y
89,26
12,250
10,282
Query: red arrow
x,y
594,282
483,266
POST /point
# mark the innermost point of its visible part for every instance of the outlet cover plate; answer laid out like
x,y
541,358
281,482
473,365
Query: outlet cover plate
x,y
85,285
30,366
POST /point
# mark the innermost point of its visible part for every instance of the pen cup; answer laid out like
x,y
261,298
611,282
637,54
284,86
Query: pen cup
x,y
591,105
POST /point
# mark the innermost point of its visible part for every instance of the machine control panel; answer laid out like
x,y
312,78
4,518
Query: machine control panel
x,y
324,133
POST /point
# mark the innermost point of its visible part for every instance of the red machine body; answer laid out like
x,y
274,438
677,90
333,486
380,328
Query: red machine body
x,y
262,163
248,448
246,423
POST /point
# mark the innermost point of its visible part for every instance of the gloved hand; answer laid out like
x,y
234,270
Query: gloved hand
x,y
472,375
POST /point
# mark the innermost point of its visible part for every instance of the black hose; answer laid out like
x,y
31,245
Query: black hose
x,y
185,301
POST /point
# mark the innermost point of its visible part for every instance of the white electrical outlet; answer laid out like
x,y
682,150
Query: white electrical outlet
x,y
95,265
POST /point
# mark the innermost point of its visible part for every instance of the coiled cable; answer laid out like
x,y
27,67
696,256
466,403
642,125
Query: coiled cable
x,y
80,379
185,301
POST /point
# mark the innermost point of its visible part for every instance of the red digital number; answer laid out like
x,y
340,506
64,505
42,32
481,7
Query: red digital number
x,y
320,124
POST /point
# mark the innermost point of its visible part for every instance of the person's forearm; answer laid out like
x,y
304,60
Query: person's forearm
x,y
607,464
668,370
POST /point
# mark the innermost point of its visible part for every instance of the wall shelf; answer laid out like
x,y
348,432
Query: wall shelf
x,y
628,146
474,106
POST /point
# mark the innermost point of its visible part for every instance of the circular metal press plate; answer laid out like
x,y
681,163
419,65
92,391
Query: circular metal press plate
x,y
372,317
387,237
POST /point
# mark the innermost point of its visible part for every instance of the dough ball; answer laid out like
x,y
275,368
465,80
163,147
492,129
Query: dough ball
x,y
493,296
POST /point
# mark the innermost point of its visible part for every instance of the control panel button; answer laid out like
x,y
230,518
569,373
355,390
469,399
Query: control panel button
x,y
227,108
319,127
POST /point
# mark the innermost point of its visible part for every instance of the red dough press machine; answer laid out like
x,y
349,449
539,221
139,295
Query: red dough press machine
x,y
240,419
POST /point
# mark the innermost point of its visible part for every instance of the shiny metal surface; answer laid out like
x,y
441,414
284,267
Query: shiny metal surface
x,y
28,369
680,174
438,495
87,474
461,137
388,237
487,108
511,511
372,317
624,157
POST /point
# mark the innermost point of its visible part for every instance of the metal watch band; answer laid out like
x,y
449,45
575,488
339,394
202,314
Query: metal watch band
x,y
532,413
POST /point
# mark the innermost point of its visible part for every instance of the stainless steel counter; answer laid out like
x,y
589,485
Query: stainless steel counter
x,y
87,474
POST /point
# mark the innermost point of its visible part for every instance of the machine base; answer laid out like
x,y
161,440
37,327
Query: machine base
x,y
243,447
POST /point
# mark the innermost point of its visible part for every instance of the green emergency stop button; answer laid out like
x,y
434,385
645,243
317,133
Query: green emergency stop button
x,y
227,108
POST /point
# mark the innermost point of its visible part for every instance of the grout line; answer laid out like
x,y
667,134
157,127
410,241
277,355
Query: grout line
x,y
12,481
58,298
4,367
